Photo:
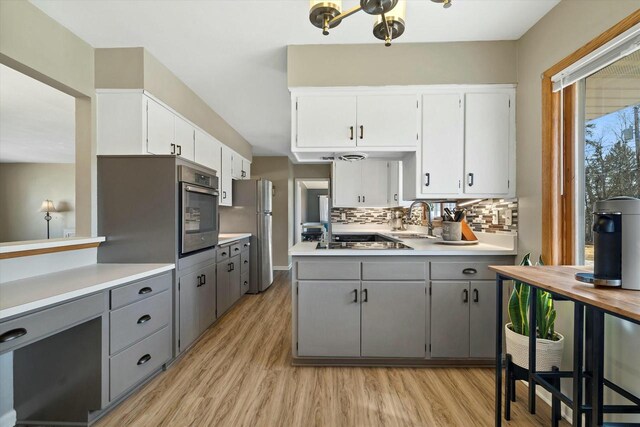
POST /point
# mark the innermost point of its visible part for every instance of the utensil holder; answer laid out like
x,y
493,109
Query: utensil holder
x,y
451,231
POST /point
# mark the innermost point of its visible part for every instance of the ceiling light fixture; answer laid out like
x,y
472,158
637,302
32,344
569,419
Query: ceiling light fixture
x,y
390,16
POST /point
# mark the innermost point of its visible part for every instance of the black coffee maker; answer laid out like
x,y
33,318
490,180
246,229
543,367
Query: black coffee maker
x,y
607,240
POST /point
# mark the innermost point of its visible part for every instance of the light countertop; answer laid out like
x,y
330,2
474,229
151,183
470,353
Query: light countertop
x,y
225,238
21,296
30,245
489,244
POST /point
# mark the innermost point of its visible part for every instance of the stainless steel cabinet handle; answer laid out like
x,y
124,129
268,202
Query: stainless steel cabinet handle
x,y
246,245
246,261
144,359
145,290
469,271
179,150
428,179
351,135
233,266
199,278
13,334
144,319
470,180
395,197
366,295
236,249
204,279
361,132
224,194
465,295
358,199
224,254
362,199
229,267
355,295
173,148
476,295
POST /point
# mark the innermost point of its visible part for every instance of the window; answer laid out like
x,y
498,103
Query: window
x,y
609,151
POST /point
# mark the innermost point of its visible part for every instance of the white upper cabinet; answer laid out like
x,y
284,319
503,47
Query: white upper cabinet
x,y
167,133
159,129
326,122
375,179
487,147
340,122
363,184
208,151
134,122
347,184
225,184
468,147
236,165
184,137
442,143
387,120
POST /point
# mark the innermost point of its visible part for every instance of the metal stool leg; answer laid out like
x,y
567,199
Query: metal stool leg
x,y
556,414
507,388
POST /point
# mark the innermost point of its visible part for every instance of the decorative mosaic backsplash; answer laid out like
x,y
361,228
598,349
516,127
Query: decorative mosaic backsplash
x,y
369,215
480,216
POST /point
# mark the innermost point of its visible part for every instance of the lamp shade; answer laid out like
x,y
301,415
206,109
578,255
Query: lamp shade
x,y
47,206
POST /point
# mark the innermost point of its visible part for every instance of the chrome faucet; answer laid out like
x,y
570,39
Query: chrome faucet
x,y
428,206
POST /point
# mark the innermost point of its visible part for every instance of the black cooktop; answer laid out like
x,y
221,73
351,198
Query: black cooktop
x,y
363,245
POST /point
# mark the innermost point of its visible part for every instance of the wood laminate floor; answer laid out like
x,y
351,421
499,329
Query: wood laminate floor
x,y
240,374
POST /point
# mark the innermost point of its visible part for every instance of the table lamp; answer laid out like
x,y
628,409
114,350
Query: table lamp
x,y
47,206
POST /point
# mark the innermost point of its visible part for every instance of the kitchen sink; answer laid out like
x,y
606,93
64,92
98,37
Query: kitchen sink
x,y
412,236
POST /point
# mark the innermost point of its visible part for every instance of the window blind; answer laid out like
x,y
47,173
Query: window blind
x,y
623,45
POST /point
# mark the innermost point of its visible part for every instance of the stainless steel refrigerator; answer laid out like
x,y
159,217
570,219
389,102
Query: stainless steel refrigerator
x,y
251,213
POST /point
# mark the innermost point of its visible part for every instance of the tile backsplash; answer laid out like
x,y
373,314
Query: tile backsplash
x,y
480,216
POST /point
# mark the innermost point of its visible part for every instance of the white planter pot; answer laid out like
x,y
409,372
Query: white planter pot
x,y
548,353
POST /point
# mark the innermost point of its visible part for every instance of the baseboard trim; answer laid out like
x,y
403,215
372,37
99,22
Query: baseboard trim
x,y
282,267
9,419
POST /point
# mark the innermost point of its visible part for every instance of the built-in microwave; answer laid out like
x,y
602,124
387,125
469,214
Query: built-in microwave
x,y
199,220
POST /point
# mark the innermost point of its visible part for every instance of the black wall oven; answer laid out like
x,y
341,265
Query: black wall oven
x,y
199,221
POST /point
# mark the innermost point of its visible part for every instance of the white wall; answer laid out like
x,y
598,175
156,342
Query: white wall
x,y
563,30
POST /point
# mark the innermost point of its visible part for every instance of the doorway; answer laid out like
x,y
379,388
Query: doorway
x,y
311,208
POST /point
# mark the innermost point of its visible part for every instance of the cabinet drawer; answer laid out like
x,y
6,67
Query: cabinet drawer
x,y
135,321
236,249
223,253
244,283
394,271
245,243
462,270
26,329
138,361
328,270
140,290
245,262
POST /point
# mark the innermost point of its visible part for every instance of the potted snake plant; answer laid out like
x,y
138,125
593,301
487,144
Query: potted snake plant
x,y
549,343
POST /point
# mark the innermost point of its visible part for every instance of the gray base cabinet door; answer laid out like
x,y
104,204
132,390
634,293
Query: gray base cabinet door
x,y
394,319
450,319
234,279
223,299
482,340
207,298
189,319
329,318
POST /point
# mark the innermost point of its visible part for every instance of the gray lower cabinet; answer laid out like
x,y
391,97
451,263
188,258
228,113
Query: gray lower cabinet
x,y
228,283
450,319
393,319
462,319
329,318
482,319
197,304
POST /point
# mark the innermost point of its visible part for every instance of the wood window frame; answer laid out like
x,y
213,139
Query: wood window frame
x,y
558,167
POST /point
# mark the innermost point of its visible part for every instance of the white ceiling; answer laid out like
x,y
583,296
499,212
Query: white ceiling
x,y
232,53
37,122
